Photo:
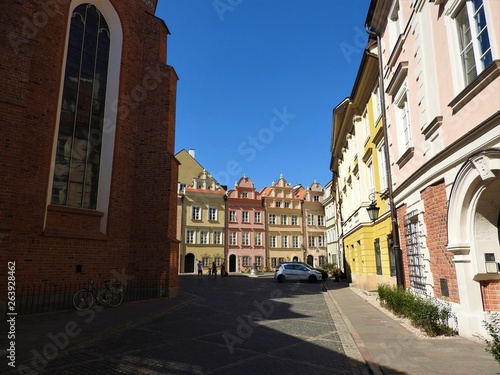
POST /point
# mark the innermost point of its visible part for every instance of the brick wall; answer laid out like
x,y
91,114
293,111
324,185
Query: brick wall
x,y
48,242
490,291
435,214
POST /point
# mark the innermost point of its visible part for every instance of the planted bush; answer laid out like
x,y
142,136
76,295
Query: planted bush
x,y
493,328
424,312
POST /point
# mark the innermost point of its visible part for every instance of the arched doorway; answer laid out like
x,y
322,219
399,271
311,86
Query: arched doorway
x,y
310,260
473,220
295,258
189,263
232,263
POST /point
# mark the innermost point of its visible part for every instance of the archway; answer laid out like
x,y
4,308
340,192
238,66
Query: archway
x,y
232,263
473,215
310,260
189,263
295,258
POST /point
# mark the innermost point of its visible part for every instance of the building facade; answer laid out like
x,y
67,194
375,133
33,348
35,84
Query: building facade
x,y
313,219
245,228
333,252
441,70
203,217
88,175
284,226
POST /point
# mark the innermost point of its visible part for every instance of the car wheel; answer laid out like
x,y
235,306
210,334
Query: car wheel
x,y
312,279
281,278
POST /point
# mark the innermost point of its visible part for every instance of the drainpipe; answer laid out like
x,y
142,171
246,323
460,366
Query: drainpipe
x,y
394,216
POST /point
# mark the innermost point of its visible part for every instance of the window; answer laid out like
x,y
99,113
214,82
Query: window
x,y
203,237
277,204
295,241
378,256
321,220
258,239
415,256
283,220
284,241
382,165
316,198
80,136
310,219
245,239
377,112
190,236
258,218
474,42
244,195
321,241
217,238
232,216
392,256
245,217
274,262
322,260
212,213
258,261
217,261
371,180
272,219
403,120
272,240
196,213
205,261
295,220
287,204
245,261
310,241
181,187
232,238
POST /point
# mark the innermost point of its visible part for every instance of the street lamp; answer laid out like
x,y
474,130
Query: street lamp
x,y
372,208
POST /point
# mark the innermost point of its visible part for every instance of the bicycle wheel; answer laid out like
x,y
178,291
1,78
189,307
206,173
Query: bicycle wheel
x,y
116,297
83,300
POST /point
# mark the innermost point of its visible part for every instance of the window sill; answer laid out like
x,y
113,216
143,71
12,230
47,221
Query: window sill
x,y
72,222
475,87
405,157
487,277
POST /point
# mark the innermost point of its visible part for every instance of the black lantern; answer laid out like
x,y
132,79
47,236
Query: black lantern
x,y
373,211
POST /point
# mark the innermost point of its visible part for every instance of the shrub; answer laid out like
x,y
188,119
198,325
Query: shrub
x,y
424,312
493,328
330,268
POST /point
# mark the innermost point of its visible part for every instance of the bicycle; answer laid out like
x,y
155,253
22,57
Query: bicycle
x,y
112,295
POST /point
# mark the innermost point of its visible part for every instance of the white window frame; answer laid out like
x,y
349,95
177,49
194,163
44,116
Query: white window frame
x,y
217,237
295,220
295,241
233,238
232,216
204,237
403,121
190,236
245,239
272,219
258,217
245,217
272,241
212,213
382,165
284,241
284,220
258,239
196,212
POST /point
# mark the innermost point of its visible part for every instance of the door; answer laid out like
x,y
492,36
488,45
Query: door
x,y
189,263
232,263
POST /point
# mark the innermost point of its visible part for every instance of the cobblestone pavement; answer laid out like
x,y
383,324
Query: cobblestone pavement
x,y
232,325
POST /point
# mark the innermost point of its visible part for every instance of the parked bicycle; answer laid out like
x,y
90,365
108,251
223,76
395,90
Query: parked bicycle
x,y
111,295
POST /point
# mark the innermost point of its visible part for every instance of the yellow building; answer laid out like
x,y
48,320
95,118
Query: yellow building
x,y
358,162
284,223
203,223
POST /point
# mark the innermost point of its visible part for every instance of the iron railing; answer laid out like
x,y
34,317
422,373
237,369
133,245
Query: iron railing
x,y
47,297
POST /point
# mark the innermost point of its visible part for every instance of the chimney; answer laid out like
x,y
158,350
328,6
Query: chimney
x,y
191,152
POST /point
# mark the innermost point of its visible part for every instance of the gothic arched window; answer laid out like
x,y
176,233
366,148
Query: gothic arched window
x,y
79,140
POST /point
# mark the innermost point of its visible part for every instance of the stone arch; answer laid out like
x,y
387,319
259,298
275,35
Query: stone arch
x,y
473,211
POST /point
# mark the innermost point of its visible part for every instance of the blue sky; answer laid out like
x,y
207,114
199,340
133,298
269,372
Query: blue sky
x,y
258,81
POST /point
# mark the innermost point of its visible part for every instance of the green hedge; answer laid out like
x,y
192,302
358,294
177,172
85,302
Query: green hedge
x,y
424,312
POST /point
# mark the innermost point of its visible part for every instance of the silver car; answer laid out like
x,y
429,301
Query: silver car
x,y
297,272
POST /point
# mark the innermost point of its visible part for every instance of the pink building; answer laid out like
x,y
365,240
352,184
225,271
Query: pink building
x,y
245,228
441,69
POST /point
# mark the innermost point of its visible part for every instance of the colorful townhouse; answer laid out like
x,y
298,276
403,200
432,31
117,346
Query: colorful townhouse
x,y
203,218
314,225
245,228
440,110
284,229
93,174
359,165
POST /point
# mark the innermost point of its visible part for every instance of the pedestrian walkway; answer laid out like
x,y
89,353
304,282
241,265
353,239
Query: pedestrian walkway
x,y
389,348
368,335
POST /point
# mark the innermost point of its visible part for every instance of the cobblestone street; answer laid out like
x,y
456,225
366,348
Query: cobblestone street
x,y
233,325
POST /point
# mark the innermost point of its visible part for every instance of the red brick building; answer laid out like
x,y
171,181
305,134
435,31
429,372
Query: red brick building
x,y
88,174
